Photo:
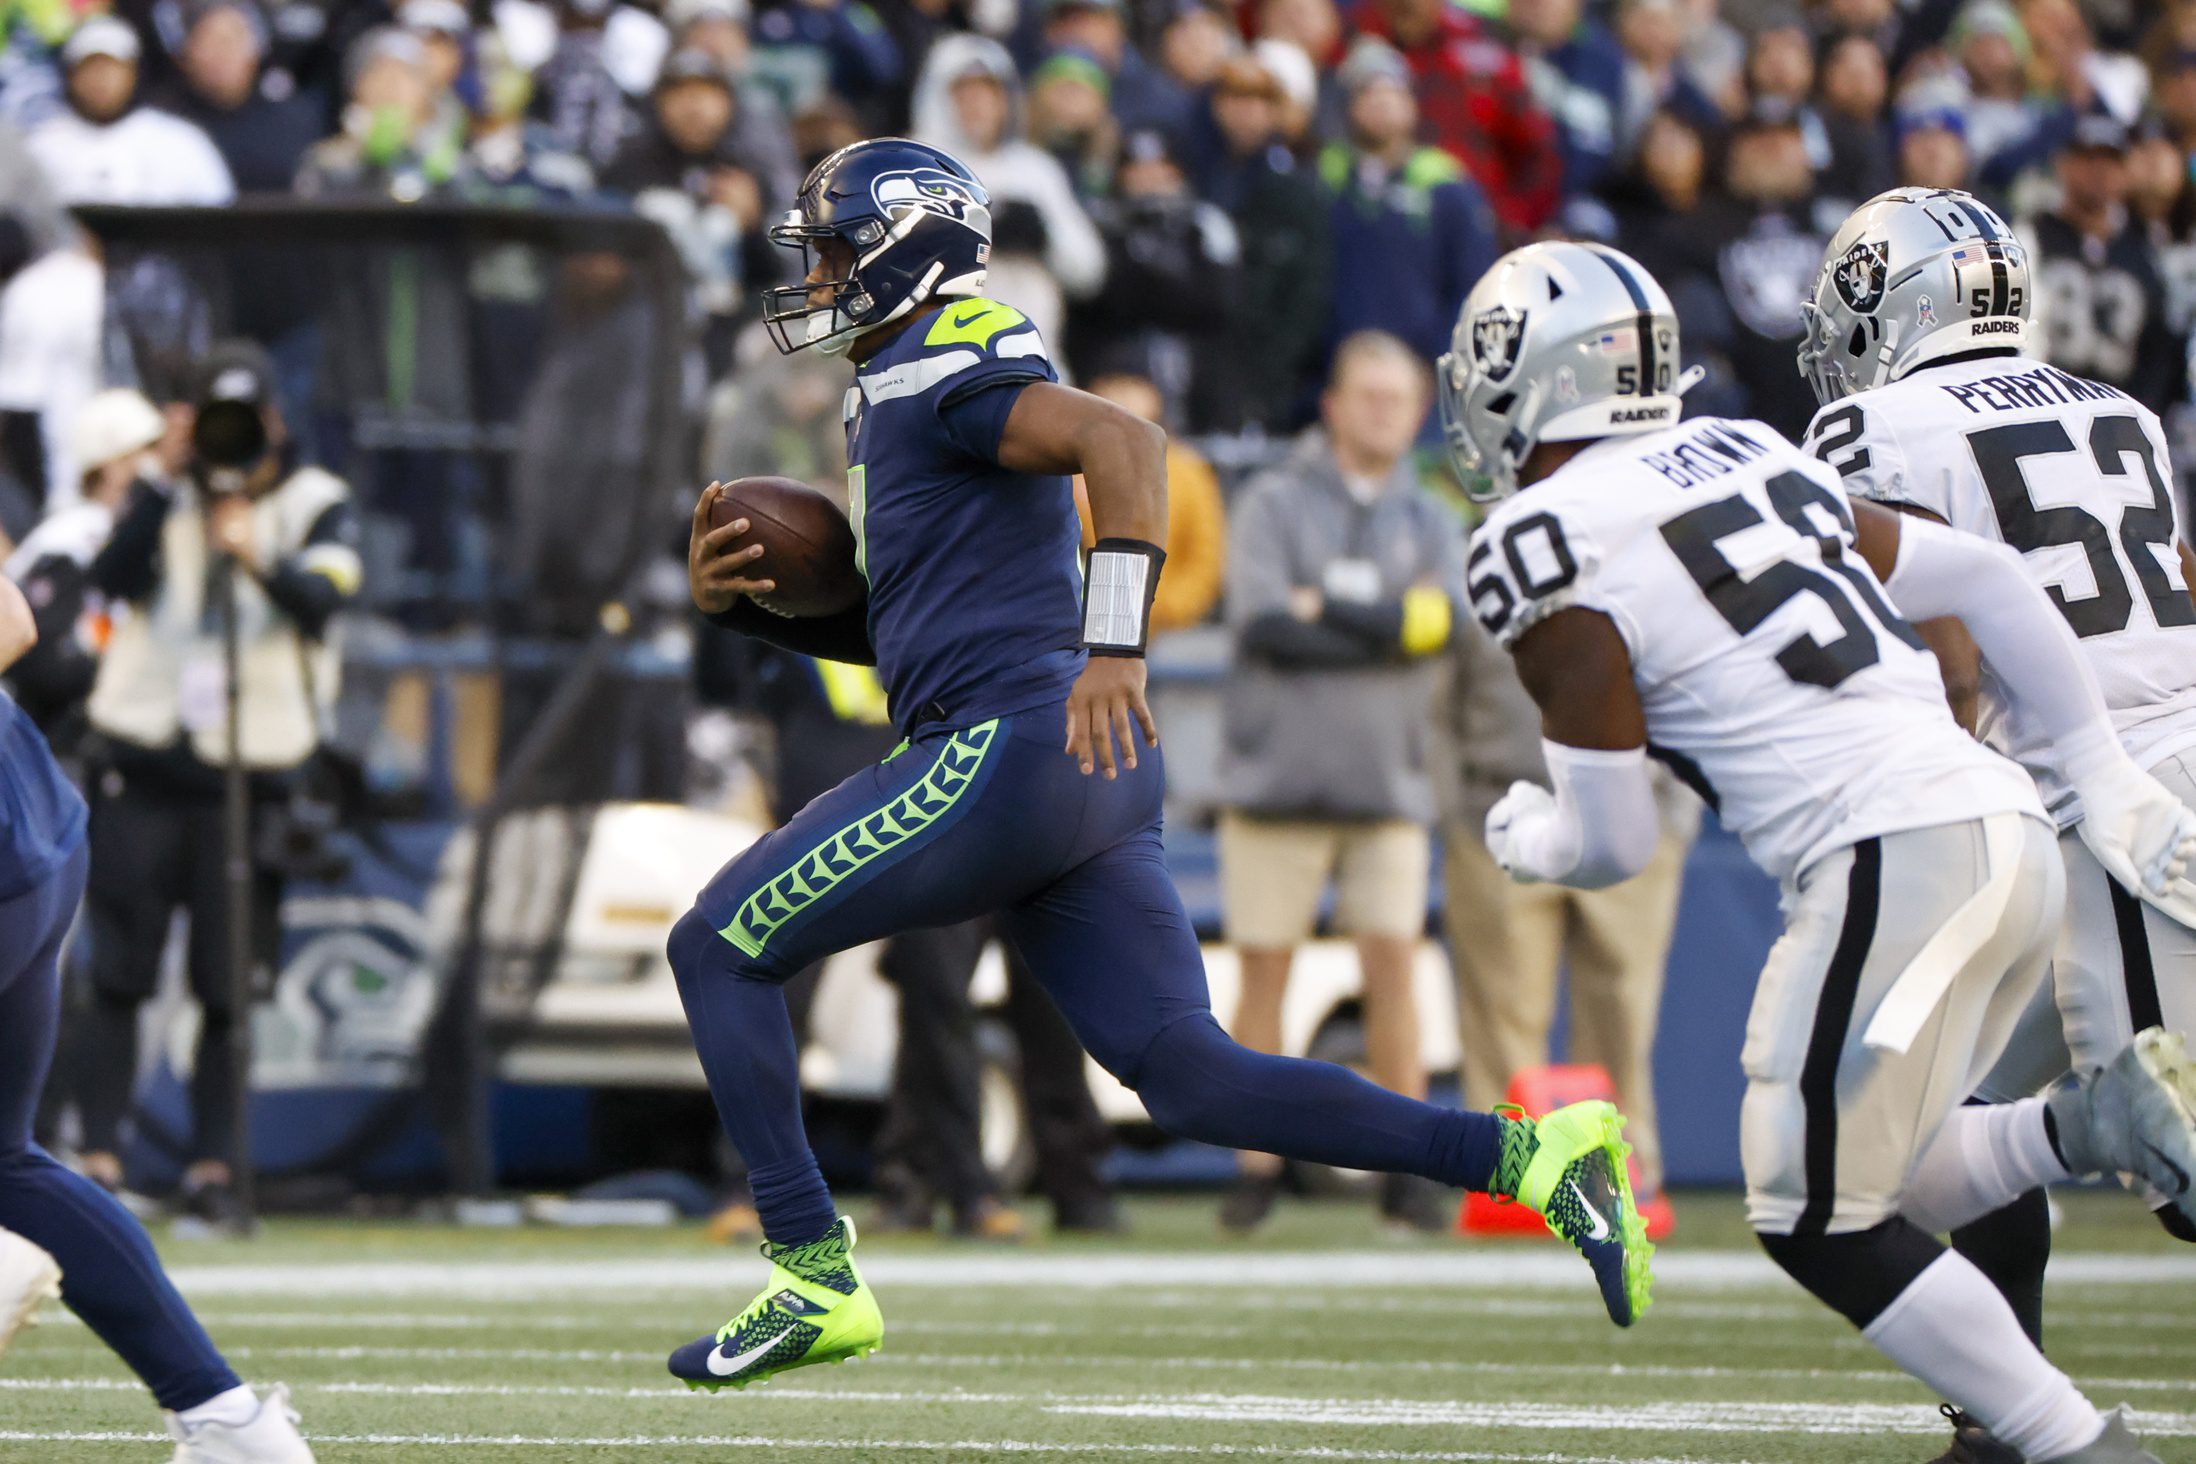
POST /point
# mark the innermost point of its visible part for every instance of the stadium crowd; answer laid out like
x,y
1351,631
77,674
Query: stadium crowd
x,y
1241,219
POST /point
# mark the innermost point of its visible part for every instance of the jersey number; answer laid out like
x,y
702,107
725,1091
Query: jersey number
x,y
1492,599
1694,536
1999,453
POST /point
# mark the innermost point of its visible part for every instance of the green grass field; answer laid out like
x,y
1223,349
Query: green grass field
x,y
1320,1340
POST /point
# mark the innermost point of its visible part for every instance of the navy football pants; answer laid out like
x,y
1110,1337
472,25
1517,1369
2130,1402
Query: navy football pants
x,y
109,1274
995,818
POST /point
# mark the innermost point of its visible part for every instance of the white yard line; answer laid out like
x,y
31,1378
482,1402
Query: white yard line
x,y
860,1447
1503,1268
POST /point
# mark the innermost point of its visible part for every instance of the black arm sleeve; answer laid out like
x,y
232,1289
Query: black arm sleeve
x,y
1280,639
309,598
840,637
129,567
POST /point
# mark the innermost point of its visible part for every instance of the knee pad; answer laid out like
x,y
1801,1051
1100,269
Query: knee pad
x,y
1859,1273
2176,1224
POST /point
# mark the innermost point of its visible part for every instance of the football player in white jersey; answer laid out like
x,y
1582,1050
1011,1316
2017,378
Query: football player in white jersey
x,y
1921,345
1706,593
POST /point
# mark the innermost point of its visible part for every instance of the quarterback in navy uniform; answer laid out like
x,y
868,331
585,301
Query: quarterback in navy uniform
x,y
997,651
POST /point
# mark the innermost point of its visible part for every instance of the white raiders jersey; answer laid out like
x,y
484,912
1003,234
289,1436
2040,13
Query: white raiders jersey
x,y
2074,475
1777,680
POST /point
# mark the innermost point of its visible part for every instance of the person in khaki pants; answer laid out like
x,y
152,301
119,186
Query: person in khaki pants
x,y
1343,578
1509,942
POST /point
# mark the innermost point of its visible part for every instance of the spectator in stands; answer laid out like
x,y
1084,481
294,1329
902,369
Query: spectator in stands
x,y
288,533
1173,274
1510,943
1143,95
840,46
1045,251
688,170
576,92
1844,156
1270,345
114,440
823,127
778,415
1070,119
2085,76
1477,105
2006,120
718,29
261,132
2162,196
1197,526
2173,86
1343,577
509,158
1855,89
107,149
1768,230
51,302
1412,232
2103,298
1313,30
1653,35
1576,69
396,142
1932,149
1197,41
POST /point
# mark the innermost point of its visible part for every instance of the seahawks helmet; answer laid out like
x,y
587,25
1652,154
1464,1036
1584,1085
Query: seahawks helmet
x,y
914,219
1915,275
1557,343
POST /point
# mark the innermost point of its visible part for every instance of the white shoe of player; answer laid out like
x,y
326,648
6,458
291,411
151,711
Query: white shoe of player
x,y
2117,1445
2136,1115
270,1437
28,1276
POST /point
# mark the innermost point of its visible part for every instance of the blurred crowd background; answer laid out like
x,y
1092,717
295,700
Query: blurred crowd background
x,y
1251,220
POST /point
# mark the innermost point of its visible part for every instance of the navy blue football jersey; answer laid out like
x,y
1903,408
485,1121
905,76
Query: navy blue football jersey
x,y
975,580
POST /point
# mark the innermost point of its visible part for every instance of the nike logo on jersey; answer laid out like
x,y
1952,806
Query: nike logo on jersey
x,y
1600,1227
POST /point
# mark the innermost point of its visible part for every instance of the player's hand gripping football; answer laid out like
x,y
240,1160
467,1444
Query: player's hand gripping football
x,y
1104,701
716,573
2143,835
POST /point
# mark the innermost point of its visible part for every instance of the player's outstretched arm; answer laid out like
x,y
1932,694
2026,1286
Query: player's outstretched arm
x,y
1600,825
1123,460
2137,829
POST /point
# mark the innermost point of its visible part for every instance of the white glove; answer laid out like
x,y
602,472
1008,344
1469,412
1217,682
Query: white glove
x,y
2143,835
1518,822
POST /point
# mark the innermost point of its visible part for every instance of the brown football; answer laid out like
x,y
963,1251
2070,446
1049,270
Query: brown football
x,y
808,547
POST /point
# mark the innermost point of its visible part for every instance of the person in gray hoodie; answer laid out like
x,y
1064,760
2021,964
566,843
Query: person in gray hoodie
x,y
1344,578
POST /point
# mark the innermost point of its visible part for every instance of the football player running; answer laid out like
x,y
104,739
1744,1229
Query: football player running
x,y
991,644
1921,344
1705,591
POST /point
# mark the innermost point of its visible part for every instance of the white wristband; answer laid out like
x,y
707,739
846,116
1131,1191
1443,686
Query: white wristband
x,y
1117,593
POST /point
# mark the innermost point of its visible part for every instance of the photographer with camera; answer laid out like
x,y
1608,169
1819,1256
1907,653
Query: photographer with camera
x,y
210,703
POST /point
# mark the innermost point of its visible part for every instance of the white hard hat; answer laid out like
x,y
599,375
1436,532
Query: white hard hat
x,y
114,424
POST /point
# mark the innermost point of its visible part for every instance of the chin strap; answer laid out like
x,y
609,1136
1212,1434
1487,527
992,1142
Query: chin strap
x,y
1117,595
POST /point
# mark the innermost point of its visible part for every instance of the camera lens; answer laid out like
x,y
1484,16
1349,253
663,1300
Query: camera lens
x,y
229,435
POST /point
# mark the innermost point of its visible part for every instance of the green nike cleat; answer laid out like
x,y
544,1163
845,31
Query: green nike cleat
x,y
1569,1166
815,1309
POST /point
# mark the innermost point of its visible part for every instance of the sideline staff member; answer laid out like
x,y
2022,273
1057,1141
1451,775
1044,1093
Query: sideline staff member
x,y
160,704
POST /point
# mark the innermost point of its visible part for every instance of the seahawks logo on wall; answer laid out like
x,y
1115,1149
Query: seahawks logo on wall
x,y
1860,274
930,189
1497,335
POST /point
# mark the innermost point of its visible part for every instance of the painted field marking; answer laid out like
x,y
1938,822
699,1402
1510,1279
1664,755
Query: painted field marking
x,y
1539,1270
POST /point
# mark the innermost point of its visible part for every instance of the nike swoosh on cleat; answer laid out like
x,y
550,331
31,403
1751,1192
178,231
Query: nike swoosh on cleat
x,y
725,1367
2163,1158
1600,1230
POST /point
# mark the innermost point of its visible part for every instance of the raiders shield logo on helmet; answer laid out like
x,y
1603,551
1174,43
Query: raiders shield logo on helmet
x,y
1496,336
1860,273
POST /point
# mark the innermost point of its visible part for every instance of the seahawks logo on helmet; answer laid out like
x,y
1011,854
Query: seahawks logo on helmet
x,y
931,189
1496,336
1860,274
